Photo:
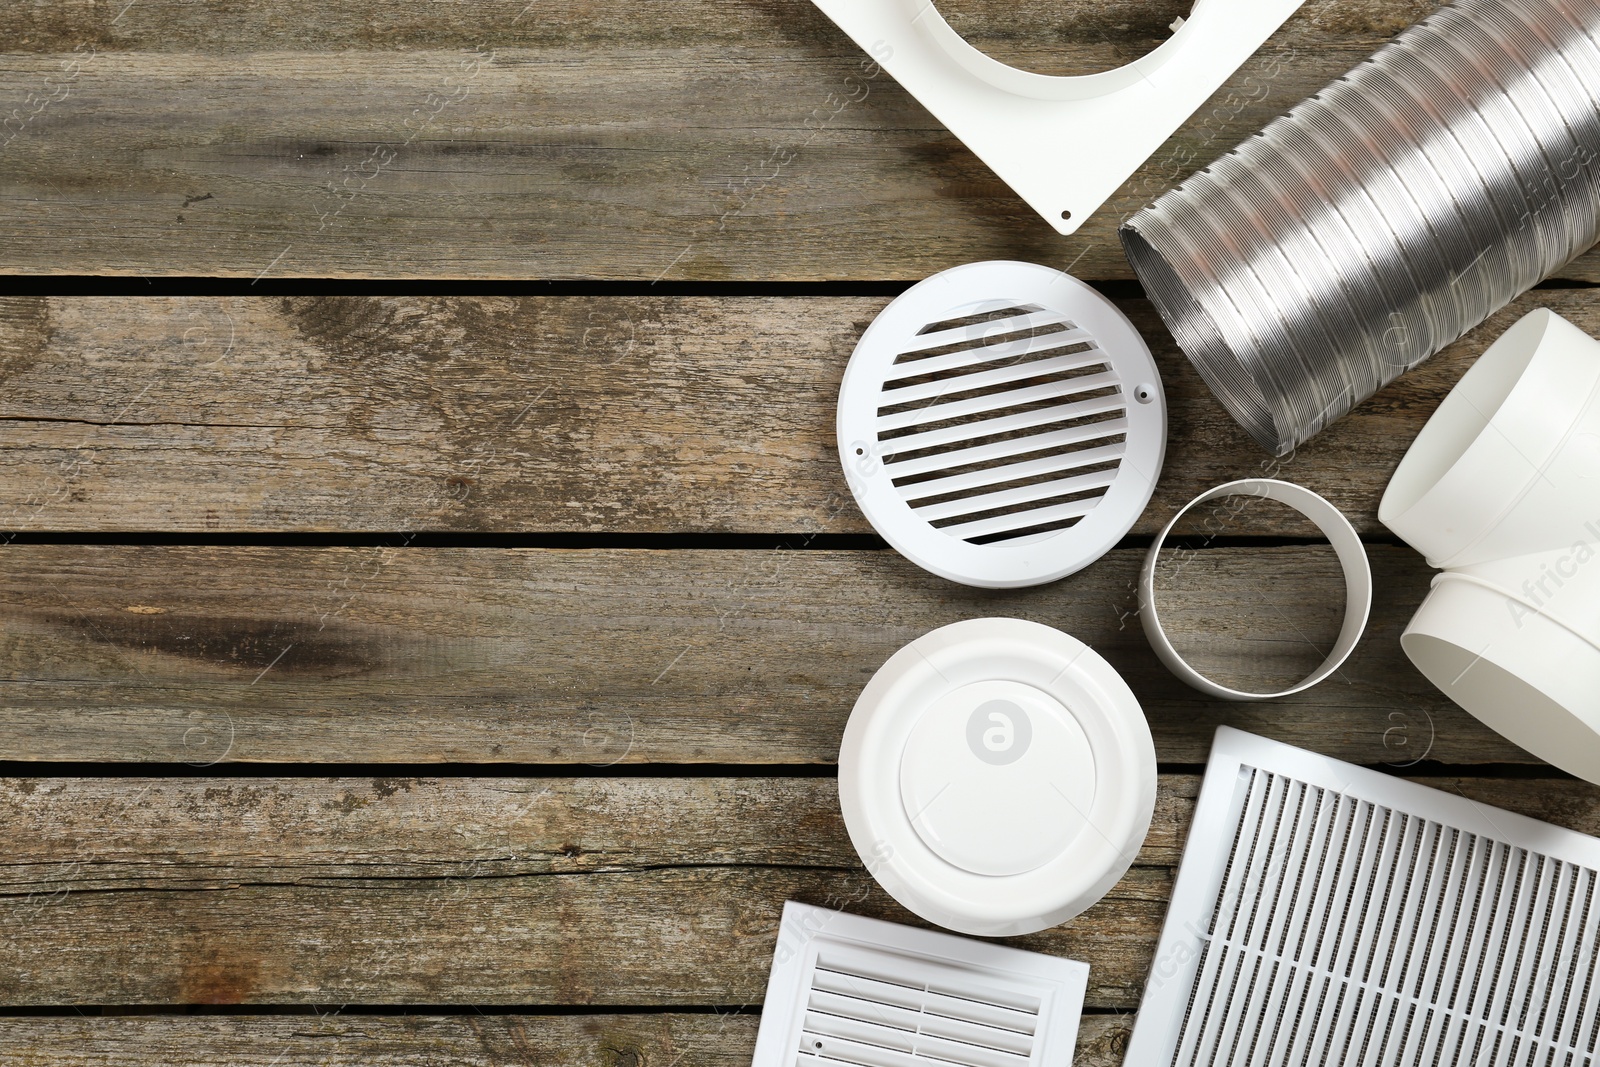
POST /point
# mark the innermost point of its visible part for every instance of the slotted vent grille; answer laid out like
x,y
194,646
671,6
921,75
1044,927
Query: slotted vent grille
x,y
888,1011
1001,424
1005,425
847,991
1350,932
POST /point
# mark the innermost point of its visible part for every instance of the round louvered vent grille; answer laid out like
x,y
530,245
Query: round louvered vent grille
x,y
1002,424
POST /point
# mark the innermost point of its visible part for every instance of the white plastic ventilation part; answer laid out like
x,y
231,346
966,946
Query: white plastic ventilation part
x,y
1346,545
1328,914
997,776
1501,489
1001,424
1064,144
849,990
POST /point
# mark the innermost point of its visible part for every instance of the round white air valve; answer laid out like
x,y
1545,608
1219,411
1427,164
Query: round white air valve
x,y
997,776
1001,424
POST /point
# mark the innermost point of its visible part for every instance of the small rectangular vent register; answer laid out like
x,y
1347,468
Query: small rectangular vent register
x,y
1328,914
851,991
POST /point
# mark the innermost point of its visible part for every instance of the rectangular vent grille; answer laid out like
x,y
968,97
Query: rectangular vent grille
x,y
1002,426
1346,926
890,1012
852,992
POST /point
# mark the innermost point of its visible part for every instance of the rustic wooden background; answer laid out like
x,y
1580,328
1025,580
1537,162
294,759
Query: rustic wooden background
x,y
430,601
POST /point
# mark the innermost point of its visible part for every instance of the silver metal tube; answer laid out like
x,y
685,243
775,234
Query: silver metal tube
x,y
1384,217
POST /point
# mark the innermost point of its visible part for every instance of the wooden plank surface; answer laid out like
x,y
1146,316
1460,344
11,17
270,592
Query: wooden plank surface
x,y
331,1039
538,414
488,891
477,891
615,655
568,139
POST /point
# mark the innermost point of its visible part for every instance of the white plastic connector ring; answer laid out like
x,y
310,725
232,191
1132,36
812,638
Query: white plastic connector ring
x,y
1346,545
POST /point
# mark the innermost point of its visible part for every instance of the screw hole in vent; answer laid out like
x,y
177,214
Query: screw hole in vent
x,y
996,397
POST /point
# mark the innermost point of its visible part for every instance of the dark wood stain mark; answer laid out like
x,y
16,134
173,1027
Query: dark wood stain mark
x,y
24,334
235,800
250,644
348,803
357,329
516,1032
217,978
621,1056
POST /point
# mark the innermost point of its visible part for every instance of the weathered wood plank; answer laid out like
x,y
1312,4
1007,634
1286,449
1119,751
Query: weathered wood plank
x,y
677,936
694,140
486,891
604,656
1037,34
536,414
331,1039
480,1040
343,831
66,835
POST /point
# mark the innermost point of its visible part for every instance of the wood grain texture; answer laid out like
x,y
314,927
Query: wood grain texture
x,y
333,1040
567,139
488,891
540,414
297,891
588,139
330,1039
609,656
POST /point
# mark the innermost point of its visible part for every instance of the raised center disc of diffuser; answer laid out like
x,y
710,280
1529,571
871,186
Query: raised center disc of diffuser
x,y
997,778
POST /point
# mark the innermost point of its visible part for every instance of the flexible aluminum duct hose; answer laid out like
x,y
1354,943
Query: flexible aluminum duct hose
x,y
1384,217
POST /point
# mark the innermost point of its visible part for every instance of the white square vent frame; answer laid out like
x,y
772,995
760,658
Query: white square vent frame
x,y
849,990
1329,914
1064,144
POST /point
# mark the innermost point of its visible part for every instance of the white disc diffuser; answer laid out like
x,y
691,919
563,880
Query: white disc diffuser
x,y
1002,424
997,776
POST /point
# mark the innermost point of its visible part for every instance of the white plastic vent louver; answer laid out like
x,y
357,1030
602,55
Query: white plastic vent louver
x,y
1327,914
1001,424
848,990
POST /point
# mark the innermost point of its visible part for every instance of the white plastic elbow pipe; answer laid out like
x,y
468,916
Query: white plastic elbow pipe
x,y
1502,491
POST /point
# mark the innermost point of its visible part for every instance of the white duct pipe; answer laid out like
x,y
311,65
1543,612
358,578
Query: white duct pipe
x,y
1501,490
